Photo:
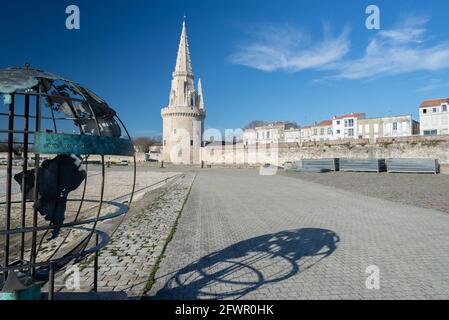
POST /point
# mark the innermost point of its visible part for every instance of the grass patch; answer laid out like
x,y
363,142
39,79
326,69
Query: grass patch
x,y
154,270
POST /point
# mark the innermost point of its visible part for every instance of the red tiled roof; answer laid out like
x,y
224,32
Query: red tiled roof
x,y
324,123
433,102
352,115
319,124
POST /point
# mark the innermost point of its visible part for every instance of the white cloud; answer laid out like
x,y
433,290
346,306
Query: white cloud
x,y
399,50
291,50
433,85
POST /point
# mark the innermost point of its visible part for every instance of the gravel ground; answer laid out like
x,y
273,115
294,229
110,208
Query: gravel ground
x,y
421,190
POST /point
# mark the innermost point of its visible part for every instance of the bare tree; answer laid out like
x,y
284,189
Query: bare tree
x,y
254,124
143,144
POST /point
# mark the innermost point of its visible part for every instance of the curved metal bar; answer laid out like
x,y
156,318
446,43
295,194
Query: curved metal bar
x,y
46,232
20,93
102,244
77,214
77,86
122,210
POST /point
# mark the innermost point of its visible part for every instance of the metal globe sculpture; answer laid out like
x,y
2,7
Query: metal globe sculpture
x,y
51,131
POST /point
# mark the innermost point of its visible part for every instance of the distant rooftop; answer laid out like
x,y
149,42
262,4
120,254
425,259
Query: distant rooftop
x,y
352,115
433,102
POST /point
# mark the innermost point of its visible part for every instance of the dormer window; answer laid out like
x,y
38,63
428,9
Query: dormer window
x,y
444,107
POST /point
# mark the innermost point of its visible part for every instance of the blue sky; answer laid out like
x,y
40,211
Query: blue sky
x,y
267,60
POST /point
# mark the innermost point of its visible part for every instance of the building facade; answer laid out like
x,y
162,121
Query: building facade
x,y
345,126
434,117
351,126
387,127
292,135
183,118
321,131
276,132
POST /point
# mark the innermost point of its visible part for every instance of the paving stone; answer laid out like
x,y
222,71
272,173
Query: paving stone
x,y
242,234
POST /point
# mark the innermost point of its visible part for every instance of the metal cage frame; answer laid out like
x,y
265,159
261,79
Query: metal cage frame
x,y
39,85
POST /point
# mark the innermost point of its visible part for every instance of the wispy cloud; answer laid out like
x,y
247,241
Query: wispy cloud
x,y
290,49
433,85
402,49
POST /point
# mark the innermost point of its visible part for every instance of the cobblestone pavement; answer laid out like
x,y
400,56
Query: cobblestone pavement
x,y
245,236
421,190
127,261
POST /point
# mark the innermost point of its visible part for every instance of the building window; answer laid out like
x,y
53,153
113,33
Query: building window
x,y
322,131
165,142
315,132
434,110
349,123
444,108
338,122
350,132
338,131
430,132
268,135
329,130
191,143
395,126
174,131
424,111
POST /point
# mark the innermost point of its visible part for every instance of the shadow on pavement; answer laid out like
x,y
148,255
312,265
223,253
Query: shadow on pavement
x,y
243,267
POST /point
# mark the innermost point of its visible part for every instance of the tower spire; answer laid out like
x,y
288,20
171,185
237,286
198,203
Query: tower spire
x,y
183,62
200,95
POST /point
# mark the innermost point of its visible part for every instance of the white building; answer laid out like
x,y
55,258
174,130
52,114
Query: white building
x,y
183,118
321,131
345,126
277,132
387,127
434,117
292,135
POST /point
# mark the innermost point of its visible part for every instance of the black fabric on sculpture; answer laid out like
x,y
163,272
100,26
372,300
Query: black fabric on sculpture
x,y
57,178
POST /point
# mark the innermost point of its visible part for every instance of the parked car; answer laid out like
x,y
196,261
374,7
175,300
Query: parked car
x,y
124,163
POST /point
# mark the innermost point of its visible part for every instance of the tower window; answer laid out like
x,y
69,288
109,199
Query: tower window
x,y
191,143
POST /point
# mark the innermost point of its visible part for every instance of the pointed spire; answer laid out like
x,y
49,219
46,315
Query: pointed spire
x,y
183,62
200,95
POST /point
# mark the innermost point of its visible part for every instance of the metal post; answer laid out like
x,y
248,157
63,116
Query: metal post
x,y
36,187
25,169
51,281
95,288
9,182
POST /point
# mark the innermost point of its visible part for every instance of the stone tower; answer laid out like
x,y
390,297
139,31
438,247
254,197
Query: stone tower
x,y
183,119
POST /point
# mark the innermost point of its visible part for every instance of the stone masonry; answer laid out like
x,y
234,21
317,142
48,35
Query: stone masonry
x,y
128,260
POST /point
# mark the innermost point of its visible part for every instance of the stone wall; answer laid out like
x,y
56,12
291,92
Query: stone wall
x,y
405,147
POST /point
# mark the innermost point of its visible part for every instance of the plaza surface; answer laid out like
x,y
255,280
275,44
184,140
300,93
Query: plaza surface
x,y
246,236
